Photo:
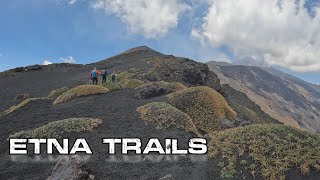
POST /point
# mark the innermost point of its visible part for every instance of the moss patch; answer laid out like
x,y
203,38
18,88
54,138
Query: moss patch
x,y
82,90
111,86
204,105
272,148
7,73
20,105
57,92
164,115
60,128
125,75
130,83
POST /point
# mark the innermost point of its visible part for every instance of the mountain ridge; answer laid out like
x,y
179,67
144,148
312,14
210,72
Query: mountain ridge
x,y
282,96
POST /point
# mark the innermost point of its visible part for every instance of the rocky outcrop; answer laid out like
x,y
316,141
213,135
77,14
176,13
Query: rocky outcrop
x,y
70,168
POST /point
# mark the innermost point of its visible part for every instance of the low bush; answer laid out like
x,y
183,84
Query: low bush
x,y
271,149
82,90
60,128
204,105
20,105
164,115
57,92
124,75
130,83
111,86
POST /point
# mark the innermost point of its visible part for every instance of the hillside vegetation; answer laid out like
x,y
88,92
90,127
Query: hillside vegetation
x,y
54,94
204,105
60,128
20,105
82,90
164,115
270,150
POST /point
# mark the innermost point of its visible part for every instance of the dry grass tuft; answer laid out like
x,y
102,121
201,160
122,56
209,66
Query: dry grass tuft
x,y
273,149
82,90
204,105
130,83
124,75
164,115
111,86
57,92
20,105
58,129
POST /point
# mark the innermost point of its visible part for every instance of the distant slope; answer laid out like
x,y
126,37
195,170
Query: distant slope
x,y
284,97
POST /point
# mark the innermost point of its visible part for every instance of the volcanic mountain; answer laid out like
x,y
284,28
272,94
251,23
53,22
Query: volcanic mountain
x,y
154,96
284,97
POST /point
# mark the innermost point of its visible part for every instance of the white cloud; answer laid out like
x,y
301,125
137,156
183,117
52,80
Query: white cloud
x,y
72,2
271,32
151,18
46,62
68,59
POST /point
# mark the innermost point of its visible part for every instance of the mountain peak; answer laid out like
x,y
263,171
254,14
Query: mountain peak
x,y
139,48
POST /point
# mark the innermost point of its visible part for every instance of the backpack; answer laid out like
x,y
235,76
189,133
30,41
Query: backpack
x,y
94,73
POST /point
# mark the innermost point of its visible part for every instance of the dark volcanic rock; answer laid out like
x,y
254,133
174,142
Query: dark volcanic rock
x,y
226,123
69,168
152,91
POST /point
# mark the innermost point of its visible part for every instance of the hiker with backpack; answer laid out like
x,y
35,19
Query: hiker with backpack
x,y
104,74
113,76
94,76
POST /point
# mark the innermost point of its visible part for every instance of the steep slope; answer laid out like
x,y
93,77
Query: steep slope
x,y
117,110
284,97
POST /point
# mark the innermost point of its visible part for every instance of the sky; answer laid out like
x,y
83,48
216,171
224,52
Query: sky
x,y
278,33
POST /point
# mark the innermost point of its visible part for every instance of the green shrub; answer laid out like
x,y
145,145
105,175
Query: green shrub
x,y
57,92
60,128
204,105
10,72
111,86
20,105
164,115
273,148
125,75
130,83
82,90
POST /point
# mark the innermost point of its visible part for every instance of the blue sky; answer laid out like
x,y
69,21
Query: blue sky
x,y
34,31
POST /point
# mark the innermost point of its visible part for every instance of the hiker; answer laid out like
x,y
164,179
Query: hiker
x,y
94,76
104,74
113,76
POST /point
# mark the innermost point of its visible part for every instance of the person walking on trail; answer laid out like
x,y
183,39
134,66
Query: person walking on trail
x,y
94,76
104,74
113,76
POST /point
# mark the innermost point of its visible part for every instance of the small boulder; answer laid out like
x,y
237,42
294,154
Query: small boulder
x,y
70,168
226,123
242,122
167,177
